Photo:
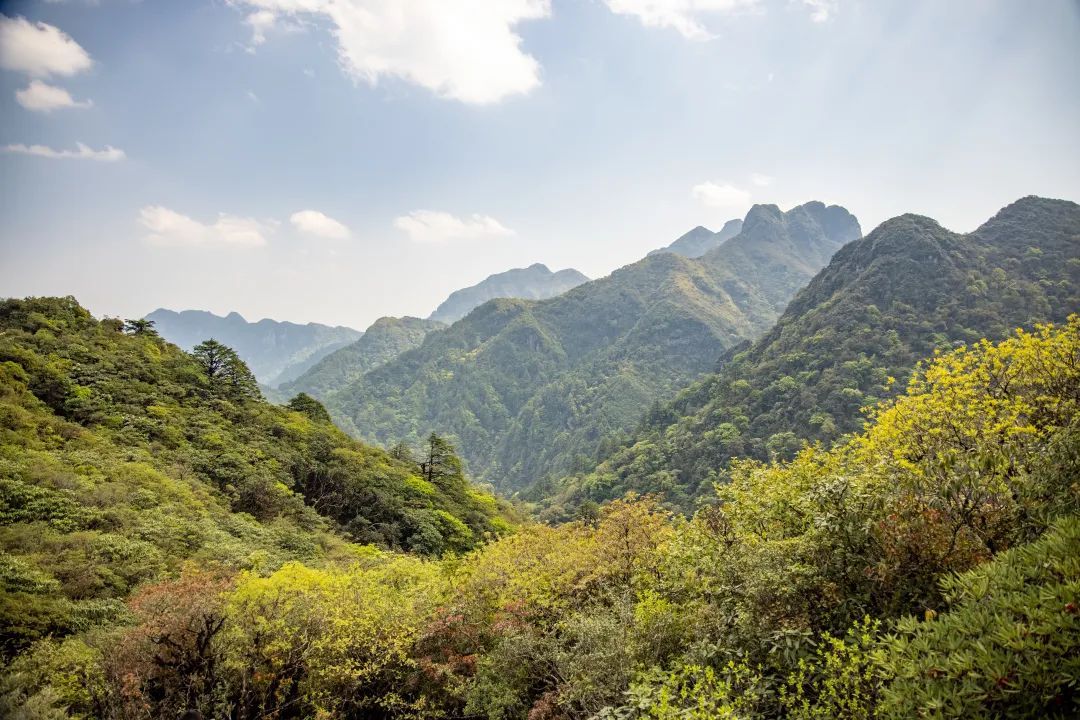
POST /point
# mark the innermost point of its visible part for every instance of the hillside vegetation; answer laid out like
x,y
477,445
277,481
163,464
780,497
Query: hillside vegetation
x,y
928,567
853,336
531,389
124,459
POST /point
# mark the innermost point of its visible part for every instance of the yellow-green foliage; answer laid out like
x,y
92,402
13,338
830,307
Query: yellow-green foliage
x,y
342,636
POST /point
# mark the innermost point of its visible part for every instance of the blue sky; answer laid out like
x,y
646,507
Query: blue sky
x,y
339,160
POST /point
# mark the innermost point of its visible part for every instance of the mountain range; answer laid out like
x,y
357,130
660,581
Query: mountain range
x,y
281,352
535,282
275,351
850,338
701,240
532,388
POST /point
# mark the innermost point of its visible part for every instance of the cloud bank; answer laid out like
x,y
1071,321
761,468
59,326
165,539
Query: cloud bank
x,y
466,50
720,196
82,152
39,49
430,226
313,222
168,227
42,97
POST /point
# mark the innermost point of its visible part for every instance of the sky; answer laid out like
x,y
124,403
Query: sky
x,y
339,160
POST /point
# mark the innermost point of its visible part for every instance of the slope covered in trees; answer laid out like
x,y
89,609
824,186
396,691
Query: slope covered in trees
x,y
926,568
123,458
884,302
387,338
535,282
275,351
530,389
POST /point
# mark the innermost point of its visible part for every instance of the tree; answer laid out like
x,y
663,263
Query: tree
x,y
402,451
140,326
304,403
442,464
227,373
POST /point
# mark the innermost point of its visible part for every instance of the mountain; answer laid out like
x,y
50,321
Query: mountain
x,y
907,289
701,240
387,338
531,388
535,282
275,351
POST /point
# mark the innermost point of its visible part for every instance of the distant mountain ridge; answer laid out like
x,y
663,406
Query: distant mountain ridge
x,y
276,351
701,240
535,282
530,388
387,338
882,304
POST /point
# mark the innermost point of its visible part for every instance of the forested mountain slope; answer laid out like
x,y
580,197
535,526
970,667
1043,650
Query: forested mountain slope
x,y
387,338
531,388
884,302
535,282
275,351
122,458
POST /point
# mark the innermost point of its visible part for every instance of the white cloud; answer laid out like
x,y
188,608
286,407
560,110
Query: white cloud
x,y
820,10
39,49
42,97
715,195
314,222
685,16
430,226
168,227
466,50
260,22
761,180
82,152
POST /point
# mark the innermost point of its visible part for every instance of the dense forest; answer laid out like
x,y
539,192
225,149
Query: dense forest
x,y
927,567
387,338
531,390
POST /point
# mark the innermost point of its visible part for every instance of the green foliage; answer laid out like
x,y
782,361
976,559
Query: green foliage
x,y
1007,647
842,680
227,373
692,692
304,403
